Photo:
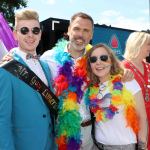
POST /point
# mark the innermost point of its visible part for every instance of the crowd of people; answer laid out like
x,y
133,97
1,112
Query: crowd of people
x,y
99,103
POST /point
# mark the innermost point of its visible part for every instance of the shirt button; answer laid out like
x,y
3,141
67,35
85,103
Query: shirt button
x,y
44,116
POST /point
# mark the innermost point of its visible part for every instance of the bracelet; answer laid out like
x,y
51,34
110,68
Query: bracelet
x,y
141,145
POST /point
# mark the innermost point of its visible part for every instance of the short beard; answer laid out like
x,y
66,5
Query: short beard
x,y
76,47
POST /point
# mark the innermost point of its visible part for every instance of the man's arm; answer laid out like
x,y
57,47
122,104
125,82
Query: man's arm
x,y
8,56
6,137
127,74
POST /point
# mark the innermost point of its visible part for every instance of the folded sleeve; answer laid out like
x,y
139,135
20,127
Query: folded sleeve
x,y
133,86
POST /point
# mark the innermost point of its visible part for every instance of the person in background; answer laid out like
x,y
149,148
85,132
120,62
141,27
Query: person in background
x,y
25,120
68,64
136,51
118,108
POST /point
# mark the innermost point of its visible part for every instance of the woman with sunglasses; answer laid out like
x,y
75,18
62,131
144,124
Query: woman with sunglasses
x,y
118,108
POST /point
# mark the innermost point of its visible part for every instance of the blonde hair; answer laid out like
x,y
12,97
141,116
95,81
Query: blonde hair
x,y
116,67
134,43
26,14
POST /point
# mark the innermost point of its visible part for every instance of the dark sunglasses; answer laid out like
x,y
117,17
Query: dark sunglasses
x,y
93,59
25,30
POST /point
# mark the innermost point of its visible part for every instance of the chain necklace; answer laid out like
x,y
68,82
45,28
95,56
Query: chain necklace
x,y
145,81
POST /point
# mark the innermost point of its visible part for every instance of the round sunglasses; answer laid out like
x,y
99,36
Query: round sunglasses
x,y
26,30
94,59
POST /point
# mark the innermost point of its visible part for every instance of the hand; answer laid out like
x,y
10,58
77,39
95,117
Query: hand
x,y
128,75
7,57
141,145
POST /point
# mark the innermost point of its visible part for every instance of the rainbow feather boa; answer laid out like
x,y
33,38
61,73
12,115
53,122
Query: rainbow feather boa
x,y
69,89
119,95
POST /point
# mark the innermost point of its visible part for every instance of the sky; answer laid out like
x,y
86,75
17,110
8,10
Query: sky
x,y
127,14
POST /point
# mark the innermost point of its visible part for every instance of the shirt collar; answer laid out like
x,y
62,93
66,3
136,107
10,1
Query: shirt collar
x,y
22,54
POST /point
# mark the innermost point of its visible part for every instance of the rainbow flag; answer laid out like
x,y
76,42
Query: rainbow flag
x,y
7,40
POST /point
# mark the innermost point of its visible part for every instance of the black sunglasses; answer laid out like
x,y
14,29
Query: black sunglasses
x,y
93,59
25,30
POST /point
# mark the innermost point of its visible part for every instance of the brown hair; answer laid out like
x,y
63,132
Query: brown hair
x,y
116,67
82,15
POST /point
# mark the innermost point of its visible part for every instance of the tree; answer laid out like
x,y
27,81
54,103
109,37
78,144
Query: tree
x,y
8,7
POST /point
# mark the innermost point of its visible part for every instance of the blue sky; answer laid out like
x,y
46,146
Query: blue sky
x,y
128,14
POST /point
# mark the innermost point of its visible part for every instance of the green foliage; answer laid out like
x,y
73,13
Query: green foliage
x,y
8,7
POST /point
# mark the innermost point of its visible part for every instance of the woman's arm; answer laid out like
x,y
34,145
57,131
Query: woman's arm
x,y
143,124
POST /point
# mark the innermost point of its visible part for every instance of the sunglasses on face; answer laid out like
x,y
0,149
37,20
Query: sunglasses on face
x,y
26,30
94,59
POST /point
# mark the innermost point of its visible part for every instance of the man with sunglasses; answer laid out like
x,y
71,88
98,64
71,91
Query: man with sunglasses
x,y
25,120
